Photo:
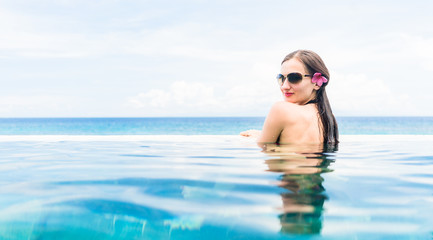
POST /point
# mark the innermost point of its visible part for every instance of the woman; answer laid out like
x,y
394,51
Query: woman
x,y
305,115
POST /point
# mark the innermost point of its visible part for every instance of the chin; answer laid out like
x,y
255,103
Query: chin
x,y
289,100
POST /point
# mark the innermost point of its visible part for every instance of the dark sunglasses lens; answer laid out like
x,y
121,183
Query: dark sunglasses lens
x,y
280,79
294,77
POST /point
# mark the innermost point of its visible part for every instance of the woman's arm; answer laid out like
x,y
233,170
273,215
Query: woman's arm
x,y
274,125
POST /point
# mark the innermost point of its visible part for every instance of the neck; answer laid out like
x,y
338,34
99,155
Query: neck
x,y
313,98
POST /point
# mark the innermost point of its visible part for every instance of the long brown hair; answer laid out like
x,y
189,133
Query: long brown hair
x,y
314,64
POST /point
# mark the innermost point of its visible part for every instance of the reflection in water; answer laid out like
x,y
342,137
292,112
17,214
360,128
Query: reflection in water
x,y
302,166
120,192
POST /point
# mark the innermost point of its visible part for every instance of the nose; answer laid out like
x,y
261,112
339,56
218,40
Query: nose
x,y
286,84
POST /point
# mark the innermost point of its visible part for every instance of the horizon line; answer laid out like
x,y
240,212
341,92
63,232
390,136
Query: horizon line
x,y
119,117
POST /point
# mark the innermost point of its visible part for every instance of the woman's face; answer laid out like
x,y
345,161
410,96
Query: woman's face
x,y
301,92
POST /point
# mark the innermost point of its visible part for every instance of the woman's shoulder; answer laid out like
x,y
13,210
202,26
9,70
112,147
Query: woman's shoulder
x,y
284,106
285,110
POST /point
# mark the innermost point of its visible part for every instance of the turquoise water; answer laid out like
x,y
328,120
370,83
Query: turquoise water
x,y
214,187
195,178
198,126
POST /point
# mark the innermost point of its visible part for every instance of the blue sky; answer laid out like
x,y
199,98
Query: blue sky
x,y
132,58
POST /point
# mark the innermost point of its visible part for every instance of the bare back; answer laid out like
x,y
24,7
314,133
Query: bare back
x,y
305,128
292,123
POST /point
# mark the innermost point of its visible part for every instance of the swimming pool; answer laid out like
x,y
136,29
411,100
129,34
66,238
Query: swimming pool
x,y
214,187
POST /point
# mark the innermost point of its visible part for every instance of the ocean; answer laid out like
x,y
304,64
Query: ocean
x,y
199,126
196,178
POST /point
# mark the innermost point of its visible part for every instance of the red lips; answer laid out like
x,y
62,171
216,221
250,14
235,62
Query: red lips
x,y
287,94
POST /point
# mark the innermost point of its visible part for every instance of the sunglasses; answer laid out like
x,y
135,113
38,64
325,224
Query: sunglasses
x,y
293,78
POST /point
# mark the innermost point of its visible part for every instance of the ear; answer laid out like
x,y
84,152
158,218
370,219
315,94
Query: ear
x,y
316,87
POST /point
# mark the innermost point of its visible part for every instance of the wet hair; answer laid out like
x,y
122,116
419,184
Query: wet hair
x,y
314,64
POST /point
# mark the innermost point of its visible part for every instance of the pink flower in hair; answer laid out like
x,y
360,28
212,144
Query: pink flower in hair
x,y
319,79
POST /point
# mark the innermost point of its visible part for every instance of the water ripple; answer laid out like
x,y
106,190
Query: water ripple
x,y
215,188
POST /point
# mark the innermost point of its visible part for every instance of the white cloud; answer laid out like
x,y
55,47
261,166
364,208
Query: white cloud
x,y
197,99
357,94
153,98
179,97
222,63
29,105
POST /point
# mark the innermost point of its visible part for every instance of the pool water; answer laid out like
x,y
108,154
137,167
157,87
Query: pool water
x,y
215,187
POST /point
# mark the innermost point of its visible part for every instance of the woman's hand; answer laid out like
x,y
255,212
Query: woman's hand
x,y
251,133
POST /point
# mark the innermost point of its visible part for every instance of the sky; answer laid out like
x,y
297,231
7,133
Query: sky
x,y
139,58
